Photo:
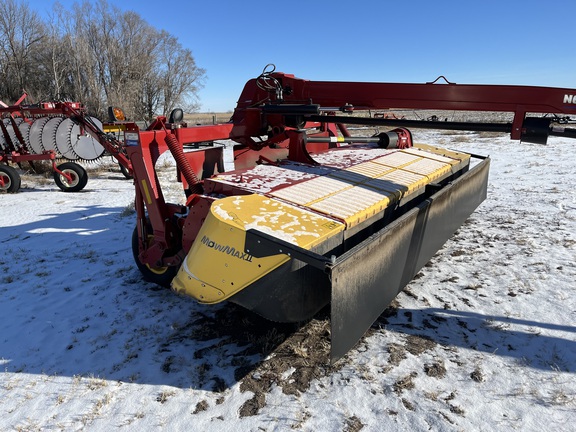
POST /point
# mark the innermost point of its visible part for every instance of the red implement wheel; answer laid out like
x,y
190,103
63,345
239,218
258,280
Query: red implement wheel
x,y
159,275
78,177
9,179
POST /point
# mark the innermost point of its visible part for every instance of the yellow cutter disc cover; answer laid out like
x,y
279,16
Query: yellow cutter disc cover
x,y
217,266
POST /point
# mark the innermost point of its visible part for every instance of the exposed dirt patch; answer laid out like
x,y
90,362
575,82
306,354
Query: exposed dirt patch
x,y
457,410
408,405
477,375
297,361
397,354
234,324
229,338
416,345
252,406
269,354
353,424
405,383
284,355
201,406
436,370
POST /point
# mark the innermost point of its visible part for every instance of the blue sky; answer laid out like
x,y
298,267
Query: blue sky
x,y
479,42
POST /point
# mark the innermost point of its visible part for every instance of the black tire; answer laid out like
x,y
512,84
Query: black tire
x,y
11,179
159,275
79,177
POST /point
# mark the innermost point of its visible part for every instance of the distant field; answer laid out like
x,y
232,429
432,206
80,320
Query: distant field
x,y
223,117
207,118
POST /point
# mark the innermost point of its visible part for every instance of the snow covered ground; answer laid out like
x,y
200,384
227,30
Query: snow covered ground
x,y
484,338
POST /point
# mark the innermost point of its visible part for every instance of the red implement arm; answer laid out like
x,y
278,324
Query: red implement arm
x,y
164,235
274,101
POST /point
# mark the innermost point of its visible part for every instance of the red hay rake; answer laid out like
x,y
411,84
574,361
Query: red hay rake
x,y
53,131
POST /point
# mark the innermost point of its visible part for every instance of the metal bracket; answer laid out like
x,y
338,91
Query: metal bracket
x,y
259,245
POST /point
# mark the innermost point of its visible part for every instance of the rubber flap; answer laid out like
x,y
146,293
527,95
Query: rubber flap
x,y
368,277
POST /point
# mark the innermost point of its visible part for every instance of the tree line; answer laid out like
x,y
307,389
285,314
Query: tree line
x,y
95,54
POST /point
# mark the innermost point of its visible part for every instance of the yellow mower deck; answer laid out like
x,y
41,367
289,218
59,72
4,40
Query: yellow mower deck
x,y
359,192
279,244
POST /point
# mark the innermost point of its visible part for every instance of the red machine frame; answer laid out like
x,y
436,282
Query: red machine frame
x,y
285,96
272,121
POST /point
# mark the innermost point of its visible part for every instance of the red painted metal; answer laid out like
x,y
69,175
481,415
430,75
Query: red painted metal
x,y
73,110
173,226
344,96
268,125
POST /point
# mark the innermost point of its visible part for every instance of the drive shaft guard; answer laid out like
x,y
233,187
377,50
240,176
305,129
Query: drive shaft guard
x,y
369,276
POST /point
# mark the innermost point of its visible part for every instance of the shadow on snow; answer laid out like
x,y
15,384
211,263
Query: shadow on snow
x,y
72,303
535,344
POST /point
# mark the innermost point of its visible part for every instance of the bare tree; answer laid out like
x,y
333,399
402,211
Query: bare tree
x,y
144,70
21,36
132,62
56,59
180,77
99,55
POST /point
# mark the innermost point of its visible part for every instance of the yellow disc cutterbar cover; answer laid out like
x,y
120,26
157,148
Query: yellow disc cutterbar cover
x,y
217,265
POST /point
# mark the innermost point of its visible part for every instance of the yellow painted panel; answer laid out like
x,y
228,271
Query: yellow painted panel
x,y
397,159
354,205
217,266
430,168
437,153
311,190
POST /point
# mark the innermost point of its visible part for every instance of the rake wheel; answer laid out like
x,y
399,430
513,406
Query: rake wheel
x,y
76,172
9,179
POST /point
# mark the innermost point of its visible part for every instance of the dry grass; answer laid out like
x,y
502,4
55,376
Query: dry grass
x,y
207,118
129,210
164,395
